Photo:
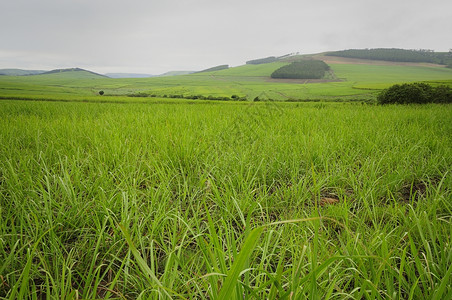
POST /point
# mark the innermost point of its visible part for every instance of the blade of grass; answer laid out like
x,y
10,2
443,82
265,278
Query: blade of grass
x,y
231,280
152,279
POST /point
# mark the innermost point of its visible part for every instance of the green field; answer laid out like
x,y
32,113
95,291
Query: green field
x,y
324,196
217,200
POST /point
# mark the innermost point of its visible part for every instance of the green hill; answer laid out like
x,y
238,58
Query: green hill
x,y
216,68
74,72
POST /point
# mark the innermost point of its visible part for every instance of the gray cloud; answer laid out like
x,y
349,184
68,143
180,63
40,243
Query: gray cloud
x,y
158,36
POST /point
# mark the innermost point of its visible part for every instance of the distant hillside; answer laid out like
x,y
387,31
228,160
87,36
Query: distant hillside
x,y
139,75
20,72
269,59
217,68
71,70
265,60
397,55
263,70
348,78
128,75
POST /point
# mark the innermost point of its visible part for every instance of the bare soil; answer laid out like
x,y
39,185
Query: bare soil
x,y
413,192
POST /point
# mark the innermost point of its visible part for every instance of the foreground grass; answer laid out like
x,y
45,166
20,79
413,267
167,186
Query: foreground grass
x,y
225,201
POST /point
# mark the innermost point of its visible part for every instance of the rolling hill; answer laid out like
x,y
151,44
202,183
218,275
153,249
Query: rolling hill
x,y
348,79
76,72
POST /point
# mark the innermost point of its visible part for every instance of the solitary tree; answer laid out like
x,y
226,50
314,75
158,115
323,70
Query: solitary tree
x,y
101,93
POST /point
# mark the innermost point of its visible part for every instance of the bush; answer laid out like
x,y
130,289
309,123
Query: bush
x,y
417,92
140,94
101,93
443,94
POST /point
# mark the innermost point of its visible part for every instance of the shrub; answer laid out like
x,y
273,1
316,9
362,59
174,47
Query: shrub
x,y
417,92
140,94
442,94
101,93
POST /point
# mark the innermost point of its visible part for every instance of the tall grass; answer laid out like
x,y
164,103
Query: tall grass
x,y
126,201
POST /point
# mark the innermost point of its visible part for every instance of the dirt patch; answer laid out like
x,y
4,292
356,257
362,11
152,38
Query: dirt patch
x,y
330,197
328,201
417,189
413,191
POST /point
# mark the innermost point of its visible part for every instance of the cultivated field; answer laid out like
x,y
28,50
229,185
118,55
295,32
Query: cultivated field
x,y
221,200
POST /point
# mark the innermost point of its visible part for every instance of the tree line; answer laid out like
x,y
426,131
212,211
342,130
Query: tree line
x,y
397,55
259,61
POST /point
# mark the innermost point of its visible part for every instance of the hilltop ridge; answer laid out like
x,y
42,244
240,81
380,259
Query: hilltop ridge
x,y
71,70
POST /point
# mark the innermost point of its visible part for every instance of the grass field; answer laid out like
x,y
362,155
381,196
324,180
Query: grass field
x,y
122,197
221,200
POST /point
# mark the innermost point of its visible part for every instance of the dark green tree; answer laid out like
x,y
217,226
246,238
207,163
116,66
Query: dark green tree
x,y
305,69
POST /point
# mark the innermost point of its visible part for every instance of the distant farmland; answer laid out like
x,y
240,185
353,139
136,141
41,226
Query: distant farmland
x,y
348,80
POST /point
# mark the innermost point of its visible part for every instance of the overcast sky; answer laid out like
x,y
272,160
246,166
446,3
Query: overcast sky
x,y
149,36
